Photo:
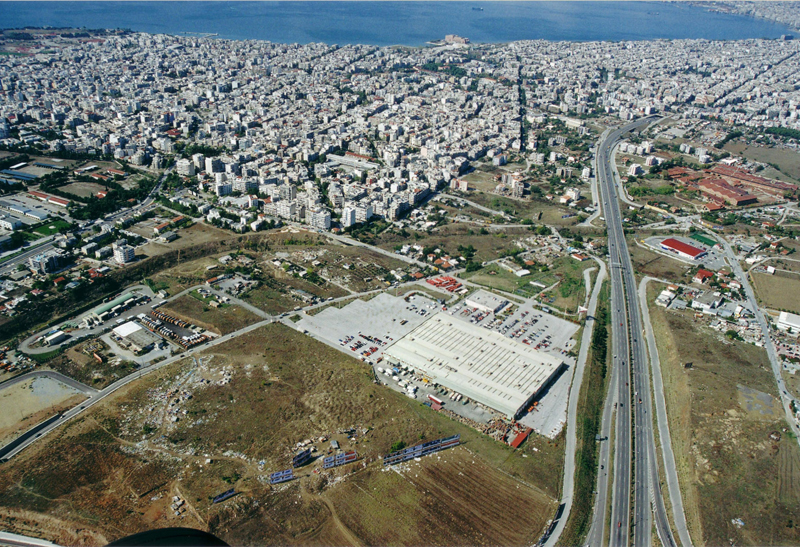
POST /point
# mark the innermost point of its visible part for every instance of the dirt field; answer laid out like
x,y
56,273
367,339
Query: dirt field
x,y
779,292
83,189
722,412
222,320
187,237
114,471
27,403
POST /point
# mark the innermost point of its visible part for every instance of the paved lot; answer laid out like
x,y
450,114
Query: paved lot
x,y
376,323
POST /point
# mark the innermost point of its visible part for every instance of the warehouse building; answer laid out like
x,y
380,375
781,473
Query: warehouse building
x,y
684,250
481,364
486,301
104,311
136,338
789,322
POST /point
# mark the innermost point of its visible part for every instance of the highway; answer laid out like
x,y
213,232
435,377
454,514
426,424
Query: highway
x,y
634,450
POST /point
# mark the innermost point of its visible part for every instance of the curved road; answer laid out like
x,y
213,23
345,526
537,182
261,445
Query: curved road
x,y
53,375
568,487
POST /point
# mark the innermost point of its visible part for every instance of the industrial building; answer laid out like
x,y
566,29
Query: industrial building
x,y
684,250
480,364
486,301
789,322
104,311
55,338
136,338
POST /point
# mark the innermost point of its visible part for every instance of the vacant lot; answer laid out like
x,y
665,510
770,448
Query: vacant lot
x,y
722,412
540,211
222,320
196,234
646,262
565,273
79,363
27,403
787,160
114,471
83,189
778,292
488,244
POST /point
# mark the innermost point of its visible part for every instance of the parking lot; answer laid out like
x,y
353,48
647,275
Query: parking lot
x,y
366,329
526,324
235,285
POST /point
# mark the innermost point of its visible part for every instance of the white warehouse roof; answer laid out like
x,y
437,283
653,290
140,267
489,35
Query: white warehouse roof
x,y
486,301
788,320
127,329
478,363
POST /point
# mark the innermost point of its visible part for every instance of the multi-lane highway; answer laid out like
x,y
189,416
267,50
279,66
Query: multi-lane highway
x,y
634,448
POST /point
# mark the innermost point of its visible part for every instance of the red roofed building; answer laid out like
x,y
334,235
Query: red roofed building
x,y
718,188
518,440
702,275
682,249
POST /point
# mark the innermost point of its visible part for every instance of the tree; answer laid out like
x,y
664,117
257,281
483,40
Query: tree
x,y
398,445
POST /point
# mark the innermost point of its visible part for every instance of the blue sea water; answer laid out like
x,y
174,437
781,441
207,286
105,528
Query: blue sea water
x,y
408,23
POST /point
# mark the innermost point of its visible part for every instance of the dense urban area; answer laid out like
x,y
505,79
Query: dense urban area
x,y
500,294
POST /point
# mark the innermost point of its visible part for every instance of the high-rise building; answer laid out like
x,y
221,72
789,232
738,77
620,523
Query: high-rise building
x,y
185,167
321,220
124,254
348,217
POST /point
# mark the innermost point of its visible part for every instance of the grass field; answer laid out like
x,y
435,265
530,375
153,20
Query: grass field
x,y
114,471
52,227
778,292
787,160
222,320
646,262
728,465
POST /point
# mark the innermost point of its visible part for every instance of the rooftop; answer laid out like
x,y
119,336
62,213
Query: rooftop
x,y
478,363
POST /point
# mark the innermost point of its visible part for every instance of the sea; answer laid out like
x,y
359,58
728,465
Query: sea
x,y
411,23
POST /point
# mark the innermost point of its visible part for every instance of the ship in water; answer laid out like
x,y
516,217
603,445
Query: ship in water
x,y
477,9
